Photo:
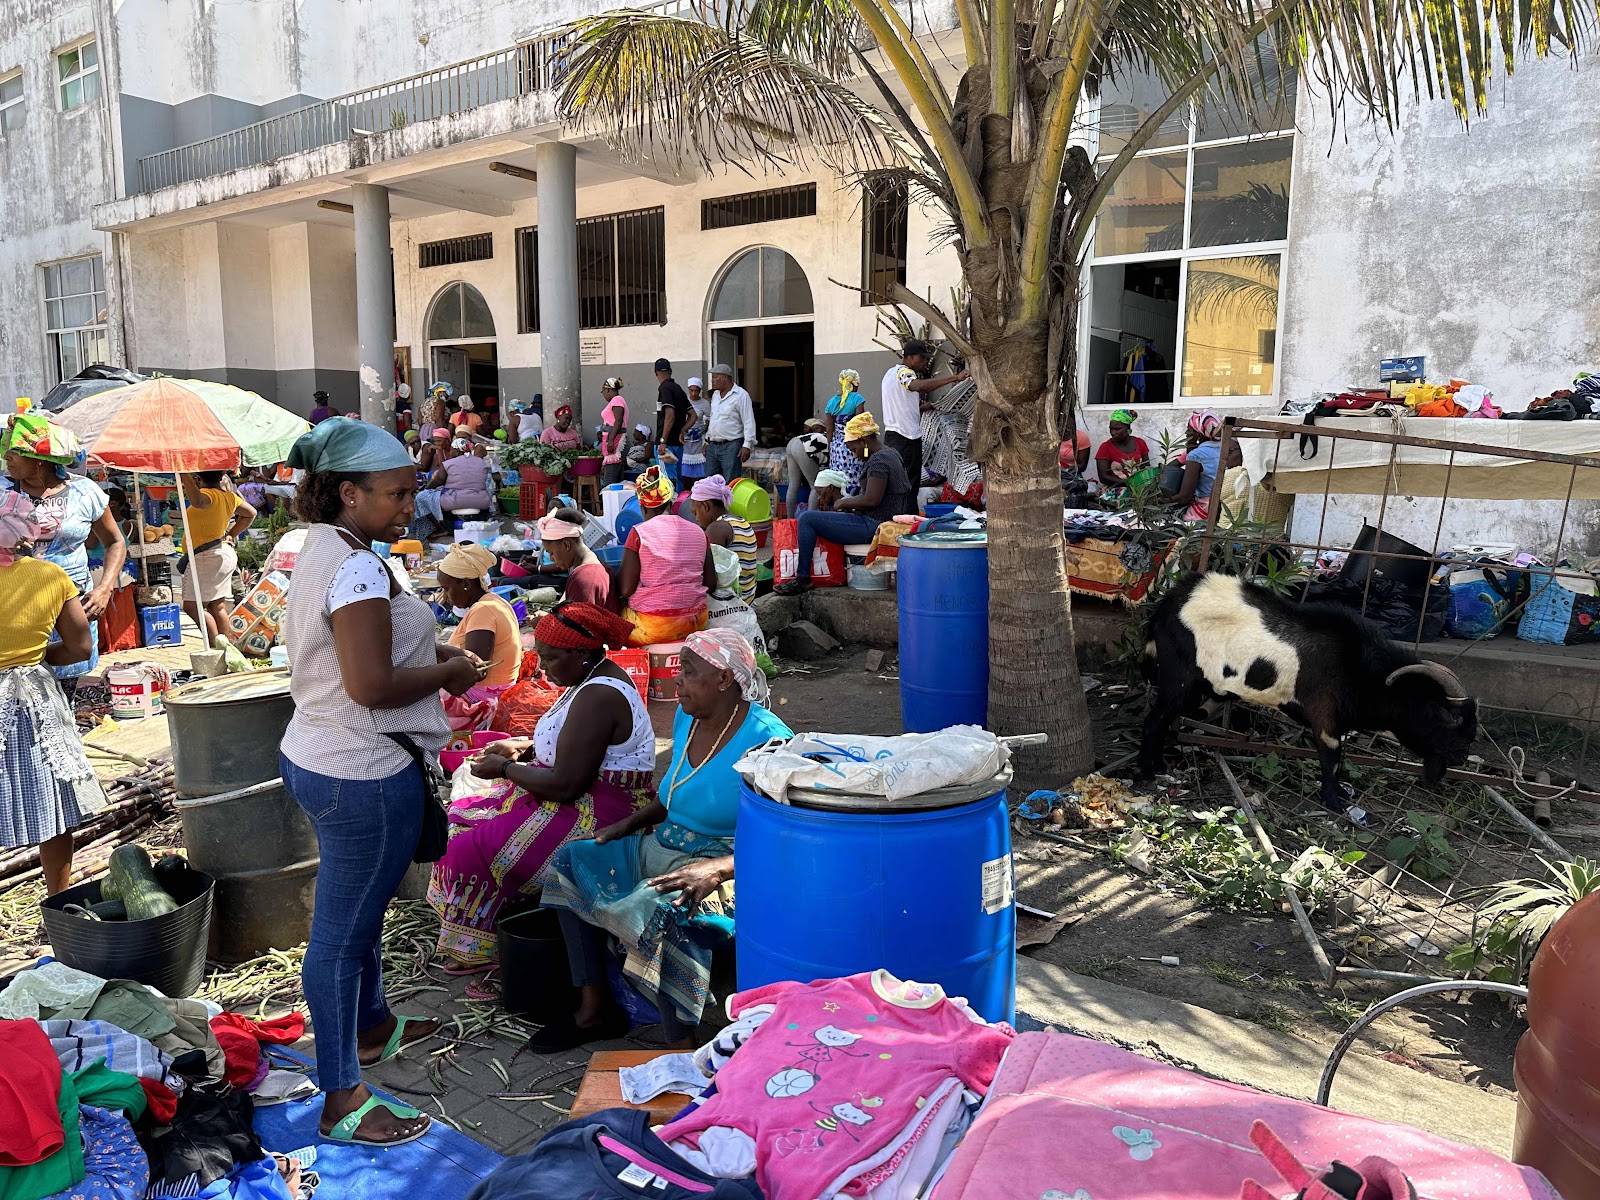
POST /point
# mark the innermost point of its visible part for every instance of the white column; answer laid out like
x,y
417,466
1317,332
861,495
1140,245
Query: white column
x,y
374,304
560,373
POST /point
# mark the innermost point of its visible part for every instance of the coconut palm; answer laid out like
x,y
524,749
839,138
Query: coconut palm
x,y
990,141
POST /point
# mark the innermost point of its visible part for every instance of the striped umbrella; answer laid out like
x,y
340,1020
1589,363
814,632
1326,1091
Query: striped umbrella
x,y
165,425
170,425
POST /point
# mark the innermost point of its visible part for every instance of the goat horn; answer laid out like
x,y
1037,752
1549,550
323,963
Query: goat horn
x,y
1454,690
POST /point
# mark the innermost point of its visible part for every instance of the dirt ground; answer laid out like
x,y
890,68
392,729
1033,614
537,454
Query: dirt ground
x,y
1253,966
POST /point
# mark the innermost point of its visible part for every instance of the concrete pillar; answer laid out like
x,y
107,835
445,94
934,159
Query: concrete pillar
x,y
560,374
374,304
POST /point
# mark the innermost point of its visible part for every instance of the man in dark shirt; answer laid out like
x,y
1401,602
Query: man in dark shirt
x,y
886,493
672,415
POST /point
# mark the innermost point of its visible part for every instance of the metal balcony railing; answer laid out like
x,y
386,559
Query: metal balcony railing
x,y
535,65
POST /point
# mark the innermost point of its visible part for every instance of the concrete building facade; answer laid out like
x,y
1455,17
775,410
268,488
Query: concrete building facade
x,y
230,156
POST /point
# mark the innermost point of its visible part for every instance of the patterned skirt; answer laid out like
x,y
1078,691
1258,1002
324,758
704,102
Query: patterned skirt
x,y
668,951
500,848
840,458
47,786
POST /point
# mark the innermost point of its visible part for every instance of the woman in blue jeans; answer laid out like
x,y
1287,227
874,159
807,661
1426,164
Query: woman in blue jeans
x,y
886,493
366,683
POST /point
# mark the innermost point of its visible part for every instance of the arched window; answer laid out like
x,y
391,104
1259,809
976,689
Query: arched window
x,y
764,282
459,314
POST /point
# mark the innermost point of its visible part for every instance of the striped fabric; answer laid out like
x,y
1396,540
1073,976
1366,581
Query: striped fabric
x,y
744,545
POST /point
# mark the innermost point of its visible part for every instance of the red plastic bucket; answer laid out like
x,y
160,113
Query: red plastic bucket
x,y
666,660
637,664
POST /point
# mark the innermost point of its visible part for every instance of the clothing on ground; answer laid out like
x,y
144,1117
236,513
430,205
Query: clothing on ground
x,y
47,988
502,839
210,1134
81,1043
114,1164
30,1095
241,1039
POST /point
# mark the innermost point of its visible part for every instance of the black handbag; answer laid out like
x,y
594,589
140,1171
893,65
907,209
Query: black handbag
x,y
434,833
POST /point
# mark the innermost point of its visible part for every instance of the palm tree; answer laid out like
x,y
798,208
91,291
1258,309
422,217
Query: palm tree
x,y
849,82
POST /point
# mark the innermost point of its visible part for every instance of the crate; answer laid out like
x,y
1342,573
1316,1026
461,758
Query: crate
x,y
161,625
533,500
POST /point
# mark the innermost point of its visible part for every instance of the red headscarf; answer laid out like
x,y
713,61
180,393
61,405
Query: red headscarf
x,y
582,627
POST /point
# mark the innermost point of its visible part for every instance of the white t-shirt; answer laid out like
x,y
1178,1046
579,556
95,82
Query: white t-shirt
x,y
530,426
902,408
361,577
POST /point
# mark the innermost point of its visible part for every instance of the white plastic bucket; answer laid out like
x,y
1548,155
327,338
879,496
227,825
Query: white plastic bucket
x,y
136,691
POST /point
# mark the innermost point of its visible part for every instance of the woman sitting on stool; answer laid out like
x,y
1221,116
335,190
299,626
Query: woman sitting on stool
x,y
667,570
660,880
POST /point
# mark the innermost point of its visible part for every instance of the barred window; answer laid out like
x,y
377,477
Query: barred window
x,y
475,247
622,270
885,210
752,208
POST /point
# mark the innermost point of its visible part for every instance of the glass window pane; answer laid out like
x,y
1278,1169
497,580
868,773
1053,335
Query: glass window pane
x,y
52,280
52,315
1127,101
77,277
1231,326
11,118
72,95
67,63
736,297
1241,193
88,55
477,322
784,290
1144,211
91,87
99,273
445,323
77,311
71,362
96,346
11,89
1276,90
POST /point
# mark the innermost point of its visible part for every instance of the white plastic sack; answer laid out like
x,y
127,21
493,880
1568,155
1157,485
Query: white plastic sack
x,y
730,612
894,767
726,562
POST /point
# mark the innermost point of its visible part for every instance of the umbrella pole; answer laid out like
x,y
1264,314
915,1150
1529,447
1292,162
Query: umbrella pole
x,y
138,517
194,570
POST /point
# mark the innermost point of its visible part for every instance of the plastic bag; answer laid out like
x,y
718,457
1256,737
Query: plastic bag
x,y
522,704
894,767
827,560
1481,596
1558,613
730,612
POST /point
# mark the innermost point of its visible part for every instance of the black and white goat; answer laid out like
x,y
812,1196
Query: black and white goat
x,y
1321,664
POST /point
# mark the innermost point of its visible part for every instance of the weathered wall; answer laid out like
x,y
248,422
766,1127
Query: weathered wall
x,y
52,171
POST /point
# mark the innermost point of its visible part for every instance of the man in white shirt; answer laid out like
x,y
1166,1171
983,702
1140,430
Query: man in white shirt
x,y
731,431
905,395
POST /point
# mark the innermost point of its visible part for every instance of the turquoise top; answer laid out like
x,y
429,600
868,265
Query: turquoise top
x,y
707,800
845,406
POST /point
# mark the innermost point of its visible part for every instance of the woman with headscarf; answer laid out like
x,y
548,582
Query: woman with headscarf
x,y
435,409
368,671
661,881
692,460
69,510
562,434
488,630
1121,454
844,405
711,497
667,570
462,481
465,419
613,430
47,786
886,492
831,487
588,579
1201,465
590,764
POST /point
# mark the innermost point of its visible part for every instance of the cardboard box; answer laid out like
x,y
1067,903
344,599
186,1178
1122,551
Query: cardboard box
x,y
254,624
1401,370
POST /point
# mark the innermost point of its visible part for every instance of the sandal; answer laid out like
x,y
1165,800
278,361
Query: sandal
x,y
458,969
345,1128
398,1040
485,990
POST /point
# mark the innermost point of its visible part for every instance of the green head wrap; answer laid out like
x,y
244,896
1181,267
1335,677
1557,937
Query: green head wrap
x,y
1124,416
348,448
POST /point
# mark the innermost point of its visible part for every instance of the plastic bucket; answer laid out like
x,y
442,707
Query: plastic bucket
x,y
833,884
611,556
751,501
136,691
167,952
934,511
535,980
944,629
666,660
636,662
1142,479
627,518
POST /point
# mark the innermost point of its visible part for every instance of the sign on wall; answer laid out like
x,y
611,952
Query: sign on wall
x,y
592,351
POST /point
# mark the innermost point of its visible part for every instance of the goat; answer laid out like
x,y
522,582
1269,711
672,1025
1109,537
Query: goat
x,y
1320,664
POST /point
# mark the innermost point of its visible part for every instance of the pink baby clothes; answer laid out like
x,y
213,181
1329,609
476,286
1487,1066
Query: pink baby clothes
x,y
837,1077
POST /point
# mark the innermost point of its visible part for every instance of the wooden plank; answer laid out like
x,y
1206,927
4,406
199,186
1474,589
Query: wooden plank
x,y
602,1086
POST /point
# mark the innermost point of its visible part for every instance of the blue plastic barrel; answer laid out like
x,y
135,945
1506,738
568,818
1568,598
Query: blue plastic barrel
x,y
628,518
833,884
944,629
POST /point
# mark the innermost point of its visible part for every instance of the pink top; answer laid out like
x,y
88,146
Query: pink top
x,y
837,1078
570,440
672,565
613,453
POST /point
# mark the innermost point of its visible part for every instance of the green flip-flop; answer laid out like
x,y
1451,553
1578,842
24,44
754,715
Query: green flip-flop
x,y
397,1040
344,1130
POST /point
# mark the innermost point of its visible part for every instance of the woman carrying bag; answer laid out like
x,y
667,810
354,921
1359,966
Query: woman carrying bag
x,y
366,683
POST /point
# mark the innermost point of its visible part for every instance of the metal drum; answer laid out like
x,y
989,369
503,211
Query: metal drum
x,y
226,731
834,884
240,825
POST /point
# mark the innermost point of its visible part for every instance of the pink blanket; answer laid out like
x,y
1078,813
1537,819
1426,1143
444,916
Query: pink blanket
x,y
1070,1118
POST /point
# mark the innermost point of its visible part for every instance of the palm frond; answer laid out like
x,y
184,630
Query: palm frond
x,y
821,33
681,90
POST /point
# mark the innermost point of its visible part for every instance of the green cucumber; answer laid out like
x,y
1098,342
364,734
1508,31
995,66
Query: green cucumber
x,y
132,879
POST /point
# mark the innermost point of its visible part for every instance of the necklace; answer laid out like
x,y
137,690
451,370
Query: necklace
x,y
675,783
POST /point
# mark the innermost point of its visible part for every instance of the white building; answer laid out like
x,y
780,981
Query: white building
x,y
205,189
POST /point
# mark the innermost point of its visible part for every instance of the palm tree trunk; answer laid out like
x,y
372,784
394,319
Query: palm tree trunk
x,y
1033,668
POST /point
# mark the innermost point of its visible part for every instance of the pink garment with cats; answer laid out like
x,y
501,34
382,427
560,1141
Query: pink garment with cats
x,y
837,1078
